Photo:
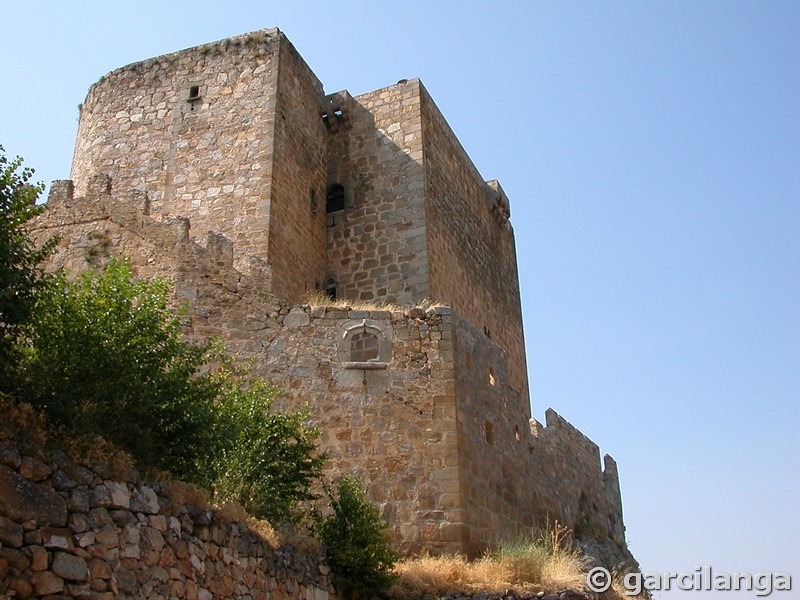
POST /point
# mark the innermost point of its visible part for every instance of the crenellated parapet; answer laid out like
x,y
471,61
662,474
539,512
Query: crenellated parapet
x,y
104,223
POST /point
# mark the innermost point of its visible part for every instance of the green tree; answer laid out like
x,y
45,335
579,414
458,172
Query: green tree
x,y
358,550
107,358
21,283
266,461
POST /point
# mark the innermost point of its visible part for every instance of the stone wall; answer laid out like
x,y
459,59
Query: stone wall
x,y
517,474
239,137
208,157
377,246
391,422
203,134
72,530
473,260
296,223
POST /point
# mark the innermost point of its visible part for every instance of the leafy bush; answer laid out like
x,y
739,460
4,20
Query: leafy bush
x,y
104,356
20,281
265,461
107,358
358,551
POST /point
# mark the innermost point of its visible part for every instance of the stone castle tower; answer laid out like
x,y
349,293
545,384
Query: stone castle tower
x,y
227,169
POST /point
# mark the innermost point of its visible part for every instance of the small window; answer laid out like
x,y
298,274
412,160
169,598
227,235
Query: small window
x,y
314,203
363,347
492,378
334,201
194,92
488,432
330,288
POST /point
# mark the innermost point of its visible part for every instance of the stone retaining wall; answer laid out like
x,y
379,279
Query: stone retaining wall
x,y
69,530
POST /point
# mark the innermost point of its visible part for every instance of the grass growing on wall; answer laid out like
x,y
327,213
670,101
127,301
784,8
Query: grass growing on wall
x,y
320,298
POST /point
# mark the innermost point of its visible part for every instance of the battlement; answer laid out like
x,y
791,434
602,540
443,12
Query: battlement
x,y
103,223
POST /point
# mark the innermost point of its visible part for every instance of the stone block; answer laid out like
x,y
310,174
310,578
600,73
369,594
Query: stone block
x,y
16,559
20,587
57,539
21,500
119,495
46,583
70,567
144,500
33,469
11,534
297,317
39,558
107,537
9,455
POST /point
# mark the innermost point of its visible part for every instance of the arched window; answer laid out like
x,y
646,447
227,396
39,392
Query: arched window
x,y
364,347
365,344
334,201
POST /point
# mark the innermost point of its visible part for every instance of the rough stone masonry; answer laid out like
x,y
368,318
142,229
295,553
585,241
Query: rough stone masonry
x,y
227,169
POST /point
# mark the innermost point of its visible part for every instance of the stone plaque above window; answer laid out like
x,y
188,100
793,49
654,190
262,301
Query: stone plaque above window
x,y
365,344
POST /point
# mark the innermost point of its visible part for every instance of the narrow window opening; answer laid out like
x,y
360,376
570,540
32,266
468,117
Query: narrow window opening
x,y
488,432
517,436
314,203
334,201
492,379
194,96
364,347
338,112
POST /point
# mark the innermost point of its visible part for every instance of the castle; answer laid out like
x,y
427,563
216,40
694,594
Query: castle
x,y
227,169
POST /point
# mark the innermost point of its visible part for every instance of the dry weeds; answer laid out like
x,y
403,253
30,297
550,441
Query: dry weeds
x,y
180,494
320,298
545,563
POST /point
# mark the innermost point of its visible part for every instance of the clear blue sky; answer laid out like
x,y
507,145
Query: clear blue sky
x,y
651,152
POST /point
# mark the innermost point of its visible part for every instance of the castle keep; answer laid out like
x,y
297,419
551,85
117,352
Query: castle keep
x,y
228,170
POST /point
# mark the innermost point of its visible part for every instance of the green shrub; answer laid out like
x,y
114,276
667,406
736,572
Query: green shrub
x,y
21,283
106,357
358,551
266,461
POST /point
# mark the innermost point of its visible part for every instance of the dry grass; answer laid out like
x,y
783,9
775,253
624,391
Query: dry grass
x,y
23,425
265,531
320,298
544,563
236,513
28,428
180,493
92,450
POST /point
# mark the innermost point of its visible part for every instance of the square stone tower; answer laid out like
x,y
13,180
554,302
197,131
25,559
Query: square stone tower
x,y
369,197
